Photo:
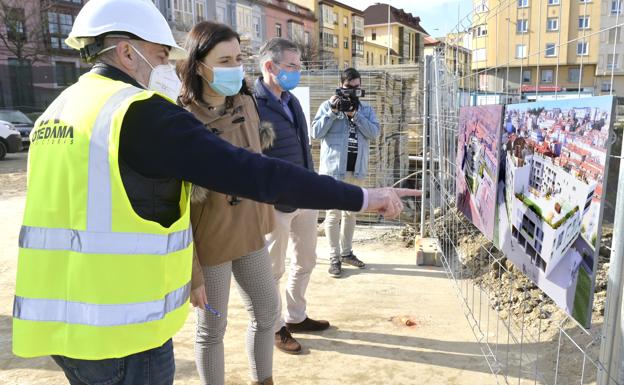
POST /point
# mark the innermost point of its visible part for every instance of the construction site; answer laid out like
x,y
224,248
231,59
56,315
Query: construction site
x,y
441,301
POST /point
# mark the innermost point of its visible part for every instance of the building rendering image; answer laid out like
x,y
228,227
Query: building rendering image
x,y
477,160
553,162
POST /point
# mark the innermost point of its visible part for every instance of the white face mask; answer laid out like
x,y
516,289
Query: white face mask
x,y
163,78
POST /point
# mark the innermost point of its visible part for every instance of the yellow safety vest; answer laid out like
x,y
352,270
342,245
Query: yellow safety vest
x,y
94,280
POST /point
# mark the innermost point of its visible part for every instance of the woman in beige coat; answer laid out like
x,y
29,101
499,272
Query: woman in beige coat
x,y
228,231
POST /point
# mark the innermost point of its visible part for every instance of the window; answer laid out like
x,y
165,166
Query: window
x,y
327,39
15,24
612,61
583,22
574,74
278,30
345,21
221,15
244,23
552,24
615,34
374,34
479,55
295,31
553,2
523,3
521,51
59,26
65,73
522,26
582,48
551,49
326,15
306,37
358,48
335,41
358,26
606,86
335,18
547,76
526,76
617,6
345,43
183,12
200,13
256,26
481,30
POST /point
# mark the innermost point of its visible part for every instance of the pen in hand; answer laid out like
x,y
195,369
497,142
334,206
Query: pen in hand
x,y
212,310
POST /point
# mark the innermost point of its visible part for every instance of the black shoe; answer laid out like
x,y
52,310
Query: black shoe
x,y
307,325
335,268
352,260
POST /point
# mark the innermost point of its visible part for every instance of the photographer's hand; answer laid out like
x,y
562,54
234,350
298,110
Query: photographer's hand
x,y
333,102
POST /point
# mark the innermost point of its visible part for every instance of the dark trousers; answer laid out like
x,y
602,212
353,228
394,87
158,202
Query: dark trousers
x,y
151,367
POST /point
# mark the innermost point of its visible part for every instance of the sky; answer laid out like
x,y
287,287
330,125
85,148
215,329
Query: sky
x,y
438,17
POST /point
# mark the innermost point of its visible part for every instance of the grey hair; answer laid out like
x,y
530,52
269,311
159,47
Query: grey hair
x,y
108,57
272,50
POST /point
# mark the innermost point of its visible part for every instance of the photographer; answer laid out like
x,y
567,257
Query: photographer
x,y
345,125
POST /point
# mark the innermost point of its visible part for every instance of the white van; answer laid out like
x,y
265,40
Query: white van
x,y
10,139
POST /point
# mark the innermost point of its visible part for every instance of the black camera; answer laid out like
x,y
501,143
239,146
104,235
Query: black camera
x,y
348,99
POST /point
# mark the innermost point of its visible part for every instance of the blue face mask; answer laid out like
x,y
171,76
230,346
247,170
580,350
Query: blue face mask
x,y
226,81
288,80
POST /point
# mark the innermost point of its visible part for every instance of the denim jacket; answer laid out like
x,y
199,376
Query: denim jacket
x,y
333,131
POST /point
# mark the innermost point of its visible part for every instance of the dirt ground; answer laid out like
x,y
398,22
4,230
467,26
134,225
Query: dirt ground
x,y
367,343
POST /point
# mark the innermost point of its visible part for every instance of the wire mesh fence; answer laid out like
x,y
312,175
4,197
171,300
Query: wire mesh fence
x,y
395,95
523,335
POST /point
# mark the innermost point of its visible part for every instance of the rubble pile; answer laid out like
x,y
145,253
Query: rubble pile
x,y
510,292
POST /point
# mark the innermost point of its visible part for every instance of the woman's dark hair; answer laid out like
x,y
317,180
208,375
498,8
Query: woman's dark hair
x,y
200,41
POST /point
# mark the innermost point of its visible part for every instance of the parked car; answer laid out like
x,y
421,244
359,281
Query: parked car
x,y
22,123
10,139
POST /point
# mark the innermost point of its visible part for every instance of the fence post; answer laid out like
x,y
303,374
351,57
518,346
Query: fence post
x,y
613,327
425,124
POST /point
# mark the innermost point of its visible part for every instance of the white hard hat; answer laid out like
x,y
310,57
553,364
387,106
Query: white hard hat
x,y
138,17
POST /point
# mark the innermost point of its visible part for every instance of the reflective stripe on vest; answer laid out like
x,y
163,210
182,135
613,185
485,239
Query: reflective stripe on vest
x,y
99,201
55,310
88,242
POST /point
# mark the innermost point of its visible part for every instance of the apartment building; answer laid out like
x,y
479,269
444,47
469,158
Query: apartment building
x,y
35,63
611,51
289,20
546,203
399,31
458,58
340,32
526,42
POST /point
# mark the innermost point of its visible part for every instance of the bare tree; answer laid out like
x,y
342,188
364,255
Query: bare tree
x,y
21,32
310,54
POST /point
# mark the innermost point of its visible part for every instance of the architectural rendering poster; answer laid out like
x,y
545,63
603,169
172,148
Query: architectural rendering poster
x,y
552,177
477,164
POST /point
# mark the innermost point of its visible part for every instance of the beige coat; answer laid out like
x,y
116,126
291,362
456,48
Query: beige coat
x,y
223,231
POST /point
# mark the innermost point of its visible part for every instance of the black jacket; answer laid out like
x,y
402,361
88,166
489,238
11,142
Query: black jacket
x,y
291,139
162,143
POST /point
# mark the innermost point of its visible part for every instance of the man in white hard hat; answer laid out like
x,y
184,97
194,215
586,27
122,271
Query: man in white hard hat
x,y
105,249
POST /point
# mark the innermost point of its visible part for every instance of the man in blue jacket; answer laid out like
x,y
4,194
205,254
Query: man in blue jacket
x,y
345,125
281,71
